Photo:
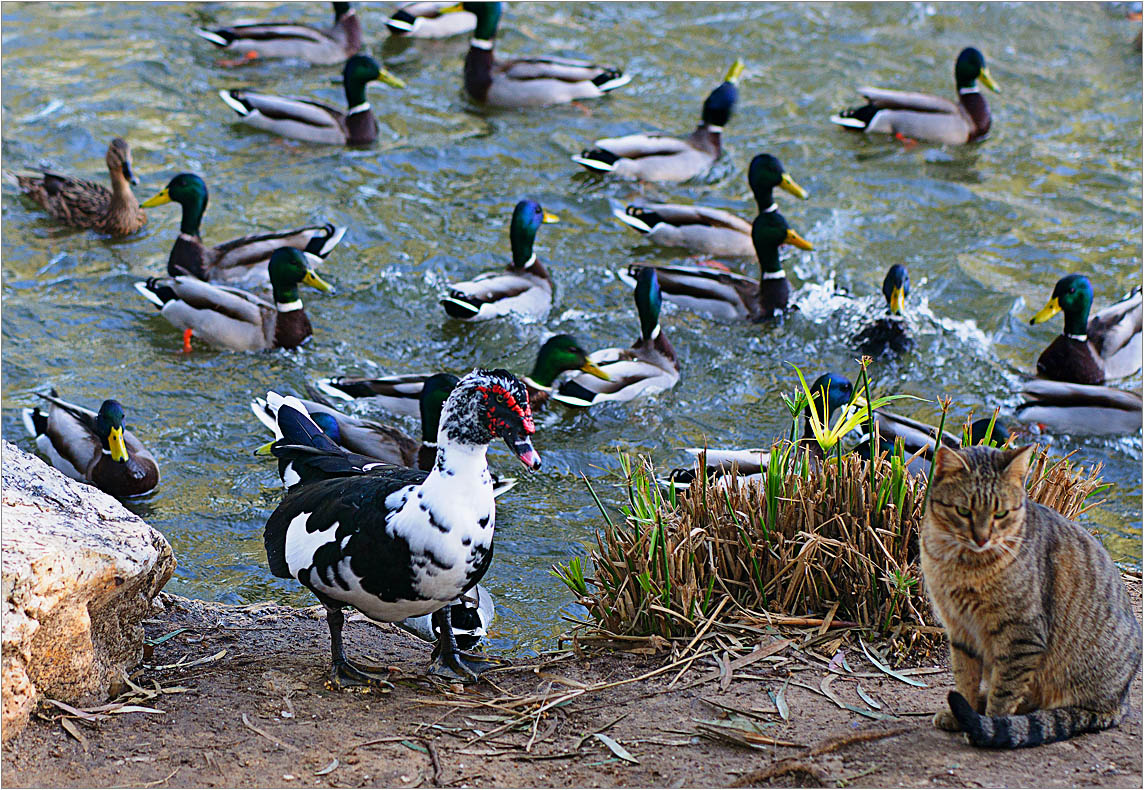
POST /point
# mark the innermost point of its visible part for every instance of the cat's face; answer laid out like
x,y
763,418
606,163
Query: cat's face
x,y
977,503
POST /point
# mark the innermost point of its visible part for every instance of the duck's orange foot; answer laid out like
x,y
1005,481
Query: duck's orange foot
x,y
249,56
582,108
908,142
187,341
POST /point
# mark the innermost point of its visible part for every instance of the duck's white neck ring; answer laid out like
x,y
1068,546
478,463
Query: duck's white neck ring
x,y
529,382
714,129
429,444
480,43
780,274
289,307
655,332
973,89
527,264
1078,338
770,208
363,107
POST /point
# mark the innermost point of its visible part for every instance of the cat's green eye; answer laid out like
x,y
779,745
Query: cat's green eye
x,y
1001,514
962,511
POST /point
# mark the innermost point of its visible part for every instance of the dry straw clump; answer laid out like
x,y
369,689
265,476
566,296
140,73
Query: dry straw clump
x,y
834,540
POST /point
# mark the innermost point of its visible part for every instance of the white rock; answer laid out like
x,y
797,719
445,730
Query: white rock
x,y
79,573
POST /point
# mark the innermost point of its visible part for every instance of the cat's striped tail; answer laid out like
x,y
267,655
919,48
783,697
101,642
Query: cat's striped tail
x,y
1033,729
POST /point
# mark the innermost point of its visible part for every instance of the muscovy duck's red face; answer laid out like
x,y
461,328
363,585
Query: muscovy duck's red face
x,y
495,403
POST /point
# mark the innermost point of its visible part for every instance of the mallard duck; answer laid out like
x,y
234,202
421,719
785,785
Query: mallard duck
x,y
430,20
752,463
86,204
917,438
528,82
314,122
399,394
1090,351
727,296
1080,409
698,228
366,443
656,157
234,319
93,447
649,366
889,334
322,47
241,261
523,287
399,543
918,116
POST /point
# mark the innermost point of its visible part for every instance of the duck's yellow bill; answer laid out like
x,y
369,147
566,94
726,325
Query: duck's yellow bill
x,y
118,448
988,82
790,186
798,241
549,217
897,300
391,79
158,200
1046,312
314,281
736,71
595,370
264,449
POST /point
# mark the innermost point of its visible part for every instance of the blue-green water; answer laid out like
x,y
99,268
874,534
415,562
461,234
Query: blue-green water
x,y
986,231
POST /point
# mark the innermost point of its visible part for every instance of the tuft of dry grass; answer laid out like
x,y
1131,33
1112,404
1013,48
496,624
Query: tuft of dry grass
x,y
834,540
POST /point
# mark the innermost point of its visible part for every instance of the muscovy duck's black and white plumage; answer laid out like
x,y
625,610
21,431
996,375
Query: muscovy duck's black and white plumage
x,y
397,543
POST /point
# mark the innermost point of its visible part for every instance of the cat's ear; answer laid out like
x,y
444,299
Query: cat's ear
x,y
1016,464
946,462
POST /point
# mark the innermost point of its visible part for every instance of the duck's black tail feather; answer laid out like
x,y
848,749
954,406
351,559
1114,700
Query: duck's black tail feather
x,y
1032,729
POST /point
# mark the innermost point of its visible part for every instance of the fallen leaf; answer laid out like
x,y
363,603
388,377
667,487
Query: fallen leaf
x,y
873,703
73,731
887,670
617,750
328,769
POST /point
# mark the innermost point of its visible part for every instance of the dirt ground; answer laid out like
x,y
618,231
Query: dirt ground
x,y
259,715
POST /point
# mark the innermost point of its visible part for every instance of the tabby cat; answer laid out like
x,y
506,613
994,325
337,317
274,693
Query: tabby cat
x,y
1031,602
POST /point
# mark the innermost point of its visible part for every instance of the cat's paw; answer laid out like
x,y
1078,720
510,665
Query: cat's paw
x,y
944,720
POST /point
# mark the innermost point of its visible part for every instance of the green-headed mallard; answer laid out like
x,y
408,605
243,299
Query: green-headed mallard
x,y
698,228
399,394
367,443
241,261
727,296
322,47
888,334
528,82
86,204
1058,407
94,447
752,463
657,157
314,122
649,366
428,19
919,116
523,287
234,319
1090,351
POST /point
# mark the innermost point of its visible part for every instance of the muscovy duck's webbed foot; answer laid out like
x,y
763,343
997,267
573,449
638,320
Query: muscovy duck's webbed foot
x,y
344,673
449,662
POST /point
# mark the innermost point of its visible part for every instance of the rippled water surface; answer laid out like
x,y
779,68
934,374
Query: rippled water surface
x,y
986,231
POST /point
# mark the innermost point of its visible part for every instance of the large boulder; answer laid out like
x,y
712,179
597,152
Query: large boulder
x,y
79,573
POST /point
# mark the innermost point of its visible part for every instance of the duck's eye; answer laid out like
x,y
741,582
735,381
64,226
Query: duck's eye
x,y
1001,514
962,511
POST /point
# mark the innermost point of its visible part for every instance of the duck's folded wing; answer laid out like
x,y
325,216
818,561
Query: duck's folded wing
x,y
71,433
1115,333
700,282
256,248
491,288
633,146
628,379
908,100
550,68
284,108
229,302
914,434
367,437
272,31
1062,393
680,215
750,462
